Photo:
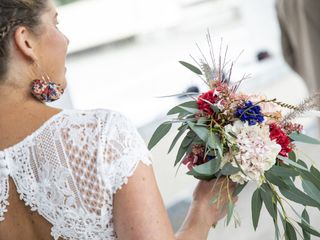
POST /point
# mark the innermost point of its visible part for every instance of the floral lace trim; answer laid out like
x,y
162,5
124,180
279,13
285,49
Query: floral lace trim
x,y
130,169
4,185
4,195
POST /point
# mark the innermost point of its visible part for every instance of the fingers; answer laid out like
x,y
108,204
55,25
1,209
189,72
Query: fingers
x,y
219,189
222,182
224,194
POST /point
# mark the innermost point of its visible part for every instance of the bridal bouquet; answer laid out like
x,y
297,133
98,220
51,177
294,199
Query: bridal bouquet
x,y
246,138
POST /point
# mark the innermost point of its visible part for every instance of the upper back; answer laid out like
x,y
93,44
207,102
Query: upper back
x,y
66,173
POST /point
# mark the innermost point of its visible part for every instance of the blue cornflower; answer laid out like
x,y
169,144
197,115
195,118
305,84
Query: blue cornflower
x,y
250,113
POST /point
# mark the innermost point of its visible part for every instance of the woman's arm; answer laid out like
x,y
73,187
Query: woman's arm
x,y
139,212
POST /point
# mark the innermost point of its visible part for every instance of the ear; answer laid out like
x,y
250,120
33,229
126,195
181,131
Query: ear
x,y
25,42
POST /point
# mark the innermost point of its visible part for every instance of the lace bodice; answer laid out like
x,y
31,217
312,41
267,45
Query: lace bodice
x,y
69,169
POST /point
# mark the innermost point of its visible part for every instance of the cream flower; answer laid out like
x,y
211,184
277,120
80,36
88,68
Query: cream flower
x,y
256,152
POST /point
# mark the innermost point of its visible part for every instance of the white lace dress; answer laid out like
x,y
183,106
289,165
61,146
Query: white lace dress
x,y
69,169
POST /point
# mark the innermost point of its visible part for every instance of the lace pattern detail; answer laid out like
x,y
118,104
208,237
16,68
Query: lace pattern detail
x,y
124,149
4,185
69,169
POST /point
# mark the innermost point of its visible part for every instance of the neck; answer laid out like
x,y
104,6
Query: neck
x,y
17,97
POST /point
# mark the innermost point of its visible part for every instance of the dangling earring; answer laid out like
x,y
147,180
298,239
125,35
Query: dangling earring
x,y
46,90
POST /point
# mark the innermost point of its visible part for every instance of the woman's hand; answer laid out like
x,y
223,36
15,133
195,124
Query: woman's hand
x,y
203,213
221,191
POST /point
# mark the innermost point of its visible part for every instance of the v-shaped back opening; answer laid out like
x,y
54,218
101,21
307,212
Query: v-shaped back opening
x,y
22,221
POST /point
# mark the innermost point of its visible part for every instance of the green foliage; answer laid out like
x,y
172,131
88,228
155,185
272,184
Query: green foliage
x,y
296,195
191,67
305,219
256,205
311,190
290,232
239,188
228,169
207,169
283,171
268,199
177,137
230,211
185,146
299,137
276,180
160,132
182,112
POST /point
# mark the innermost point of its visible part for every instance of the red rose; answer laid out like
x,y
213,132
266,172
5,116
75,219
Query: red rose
x,y
204,101
281,138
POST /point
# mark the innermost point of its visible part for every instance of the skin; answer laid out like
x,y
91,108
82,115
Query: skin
x,y
139,200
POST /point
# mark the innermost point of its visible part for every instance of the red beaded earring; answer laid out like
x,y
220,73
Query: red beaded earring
x,y
46,90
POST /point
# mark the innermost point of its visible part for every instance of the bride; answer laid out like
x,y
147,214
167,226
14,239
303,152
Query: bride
x,y
74,174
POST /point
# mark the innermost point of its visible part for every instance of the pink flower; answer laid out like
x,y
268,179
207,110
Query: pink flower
x,y
292,127
196,157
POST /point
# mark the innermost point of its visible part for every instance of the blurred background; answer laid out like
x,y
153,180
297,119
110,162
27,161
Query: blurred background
x,y
124,54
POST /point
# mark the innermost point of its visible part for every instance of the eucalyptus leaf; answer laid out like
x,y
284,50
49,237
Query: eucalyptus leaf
x,y
184,146
188,139
209,168
202,121
315,172
191,67
283,171
309,229
180,154
228,169
178,109
215,108
277,231
267,198
189,110
200,176
230,211
294,194
299,137
292,156
311,176
238,189
276,180
256,204
290,162
160,132
305,219
290,232
177,137
202,132
302,163
215,143
311,190
305,216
